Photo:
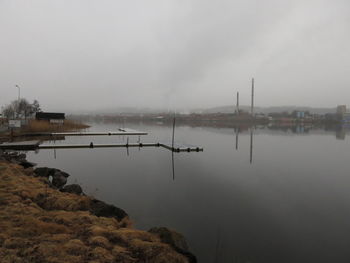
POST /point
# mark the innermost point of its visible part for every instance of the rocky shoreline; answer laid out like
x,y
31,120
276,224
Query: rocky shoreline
x,y
46,220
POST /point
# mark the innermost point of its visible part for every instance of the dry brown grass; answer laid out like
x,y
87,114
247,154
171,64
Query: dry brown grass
x,y
45,126
40,224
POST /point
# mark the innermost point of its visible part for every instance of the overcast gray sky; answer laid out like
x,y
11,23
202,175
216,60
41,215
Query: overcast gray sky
x,y
84,54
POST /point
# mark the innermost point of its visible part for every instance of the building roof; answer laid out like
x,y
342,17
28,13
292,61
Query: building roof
x,y
49,116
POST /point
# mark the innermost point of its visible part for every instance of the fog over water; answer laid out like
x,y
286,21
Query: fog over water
x,y
84,55
288,202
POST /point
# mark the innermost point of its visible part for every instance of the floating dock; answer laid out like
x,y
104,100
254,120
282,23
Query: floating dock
x,y
35,145
121,131
109,133
25,146
175,148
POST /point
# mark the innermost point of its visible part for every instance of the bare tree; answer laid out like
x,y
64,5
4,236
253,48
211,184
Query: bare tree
x,y
36,106
21,108
9,111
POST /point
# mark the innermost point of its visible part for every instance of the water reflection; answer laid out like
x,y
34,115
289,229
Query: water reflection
x,y
289,206
173,164
237,130
251,145
340,132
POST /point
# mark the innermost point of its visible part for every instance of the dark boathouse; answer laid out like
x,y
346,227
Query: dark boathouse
x,y
48,116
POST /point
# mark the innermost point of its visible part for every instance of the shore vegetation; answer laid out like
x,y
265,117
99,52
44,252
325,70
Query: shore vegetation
x,y
42,224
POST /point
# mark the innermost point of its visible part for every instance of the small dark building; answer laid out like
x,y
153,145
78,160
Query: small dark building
x,y
48,116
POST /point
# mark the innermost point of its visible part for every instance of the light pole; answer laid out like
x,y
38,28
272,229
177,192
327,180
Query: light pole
x,y
19,96
19,92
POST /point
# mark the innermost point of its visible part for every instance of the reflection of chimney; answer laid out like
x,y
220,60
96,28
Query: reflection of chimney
x,y
251,145
237,132
252,105
237,107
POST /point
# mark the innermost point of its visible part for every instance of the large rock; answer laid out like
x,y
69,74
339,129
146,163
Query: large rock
x,y
44,171
27,164
73,189
100,208
175,239
59,179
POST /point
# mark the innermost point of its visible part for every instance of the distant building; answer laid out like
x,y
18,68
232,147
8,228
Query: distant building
x,y
346,117
53,117
341,109
300,114
342,113
260,116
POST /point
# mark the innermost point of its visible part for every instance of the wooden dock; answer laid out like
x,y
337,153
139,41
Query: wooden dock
x,y
109,133
181,147
129,132
25,146
35,145
176,148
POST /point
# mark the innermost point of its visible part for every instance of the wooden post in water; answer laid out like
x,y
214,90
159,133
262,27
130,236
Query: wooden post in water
x,y
127,146
172,164
252,103
237,104
173,138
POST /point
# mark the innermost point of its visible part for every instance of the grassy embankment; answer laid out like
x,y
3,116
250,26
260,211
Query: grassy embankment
x,y
41,224
45,126
36,126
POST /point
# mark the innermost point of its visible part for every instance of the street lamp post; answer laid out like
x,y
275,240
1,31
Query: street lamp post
x,y
19,97
19,92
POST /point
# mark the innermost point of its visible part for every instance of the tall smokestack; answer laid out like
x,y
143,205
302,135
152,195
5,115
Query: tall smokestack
x,y
237,107
252,105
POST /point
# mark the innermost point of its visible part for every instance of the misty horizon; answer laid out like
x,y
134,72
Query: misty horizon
x,y
90,55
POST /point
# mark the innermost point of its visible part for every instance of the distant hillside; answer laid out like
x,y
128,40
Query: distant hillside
x,y
119,110
221,109
266,110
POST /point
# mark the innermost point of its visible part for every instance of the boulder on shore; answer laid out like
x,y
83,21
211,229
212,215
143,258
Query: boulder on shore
x,y
175,239
100,208
73,189
59,178
44,171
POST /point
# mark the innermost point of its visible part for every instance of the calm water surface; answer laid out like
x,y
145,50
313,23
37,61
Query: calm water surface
x,y
290,204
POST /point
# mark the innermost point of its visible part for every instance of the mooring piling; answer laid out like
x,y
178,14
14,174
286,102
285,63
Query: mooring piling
x,y
173,137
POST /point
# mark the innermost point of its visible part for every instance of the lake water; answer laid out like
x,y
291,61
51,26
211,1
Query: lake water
x,y
287,202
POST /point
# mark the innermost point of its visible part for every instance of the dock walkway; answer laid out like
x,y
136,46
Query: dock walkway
x,y
27,145
176,148
128,132
35,145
